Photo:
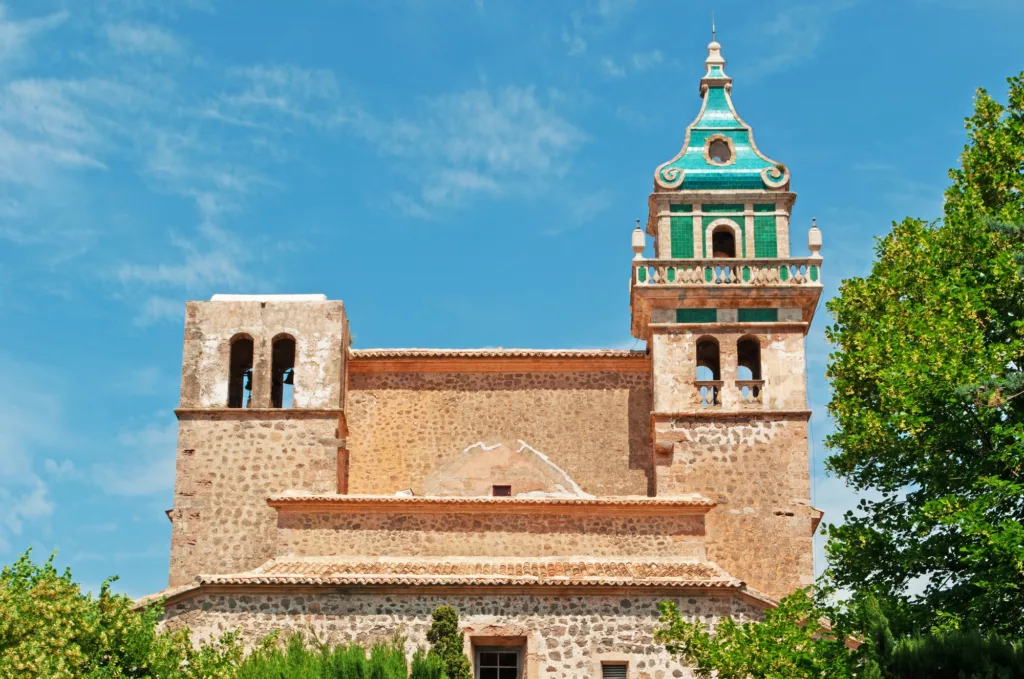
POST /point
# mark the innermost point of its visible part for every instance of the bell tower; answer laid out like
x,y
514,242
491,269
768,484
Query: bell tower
x,y
725,308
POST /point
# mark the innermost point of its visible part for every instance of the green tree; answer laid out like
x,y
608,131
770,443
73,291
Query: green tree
x,y
928,398
50,628
792,642
446,642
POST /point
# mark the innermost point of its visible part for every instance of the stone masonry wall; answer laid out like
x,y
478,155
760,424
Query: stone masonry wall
x,y
757,471
593,425
227,465
565,636
487,535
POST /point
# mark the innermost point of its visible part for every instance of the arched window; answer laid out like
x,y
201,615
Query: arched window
x,y
748,359
748,353
282,371
240,372
708,373
707,359
723,242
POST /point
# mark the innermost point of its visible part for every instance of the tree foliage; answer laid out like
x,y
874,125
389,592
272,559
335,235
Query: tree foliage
x,y
446,643
792,642
928,398
50,628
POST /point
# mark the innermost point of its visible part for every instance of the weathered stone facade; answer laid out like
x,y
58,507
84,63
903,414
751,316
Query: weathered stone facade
x,y
564,635
553,496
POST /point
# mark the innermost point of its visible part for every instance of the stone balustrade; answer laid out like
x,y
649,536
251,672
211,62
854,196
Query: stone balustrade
x,y
715,272
710,393
750,391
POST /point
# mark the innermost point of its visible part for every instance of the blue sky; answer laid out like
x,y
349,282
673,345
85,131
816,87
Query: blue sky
x,y
460,173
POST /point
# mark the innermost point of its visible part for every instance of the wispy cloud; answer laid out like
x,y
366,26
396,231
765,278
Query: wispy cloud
x,y
148,454
16,35
794,34
481,142
132,38
31,420
288,92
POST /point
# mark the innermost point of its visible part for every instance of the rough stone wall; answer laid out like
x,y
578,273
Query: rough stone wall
x,y
593,425
757,471
227,465
487,535
565,636
320,330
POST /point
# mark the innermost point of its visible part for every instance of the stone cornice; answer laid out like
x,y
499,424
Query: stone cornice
x,y
721,413
257,413
494,360
691,504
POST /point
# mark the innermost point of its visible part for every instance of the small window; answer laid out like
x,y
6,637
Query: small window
x,y
614,671
719,152
497,663
282,372
501,491
240,373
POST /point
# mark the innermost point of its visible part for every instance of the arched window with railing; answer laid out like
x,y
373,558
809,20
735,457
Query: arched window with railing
x,y
749,382
709,375
240,372
282,371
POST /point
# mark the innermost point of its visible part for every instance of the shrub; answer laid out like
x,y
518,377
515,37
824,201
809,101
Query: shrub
x,y
446,643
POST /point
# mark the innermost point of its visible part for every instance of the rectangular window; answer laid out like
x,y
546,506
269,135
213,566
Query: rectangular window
x,y
614,671
497,663
765,244
696,315
757,315
682,236
501,491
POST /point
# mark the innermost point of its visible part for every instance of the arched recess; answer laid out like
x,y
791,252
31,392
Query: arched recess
x,y
282,371
708,363
749,380
709,371
723,239
240,372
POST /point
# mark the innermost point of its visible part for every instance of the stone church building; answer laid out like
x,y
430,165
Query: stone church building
x,y
553,497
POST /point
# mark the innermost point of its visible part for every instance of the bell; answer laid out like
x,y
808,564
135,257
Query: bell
x,y
248,380
289,376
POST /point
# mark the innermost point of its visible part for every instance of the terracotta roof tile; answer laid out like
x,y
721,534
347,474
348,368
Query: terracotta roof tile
x,y
551,572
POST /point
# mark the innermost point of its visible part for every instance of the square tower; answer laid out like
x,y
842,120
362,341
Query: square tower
x,y
262,397
725,310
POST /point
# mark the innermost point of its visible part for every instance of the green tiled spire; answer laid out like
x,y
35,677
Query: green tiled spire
x,y
696,167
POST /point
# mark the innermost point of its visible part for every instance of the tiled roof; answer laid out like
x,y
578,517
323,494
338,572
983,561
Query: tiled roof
x,y
520,572
494,353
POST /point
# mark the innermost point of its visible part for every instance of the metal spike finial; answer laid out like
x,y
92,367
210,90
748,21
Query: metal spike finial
x,y
713,35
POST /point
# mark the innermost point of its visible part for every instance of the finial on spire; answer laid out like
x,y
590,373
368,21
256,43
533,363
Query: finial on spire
x,y
714,38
